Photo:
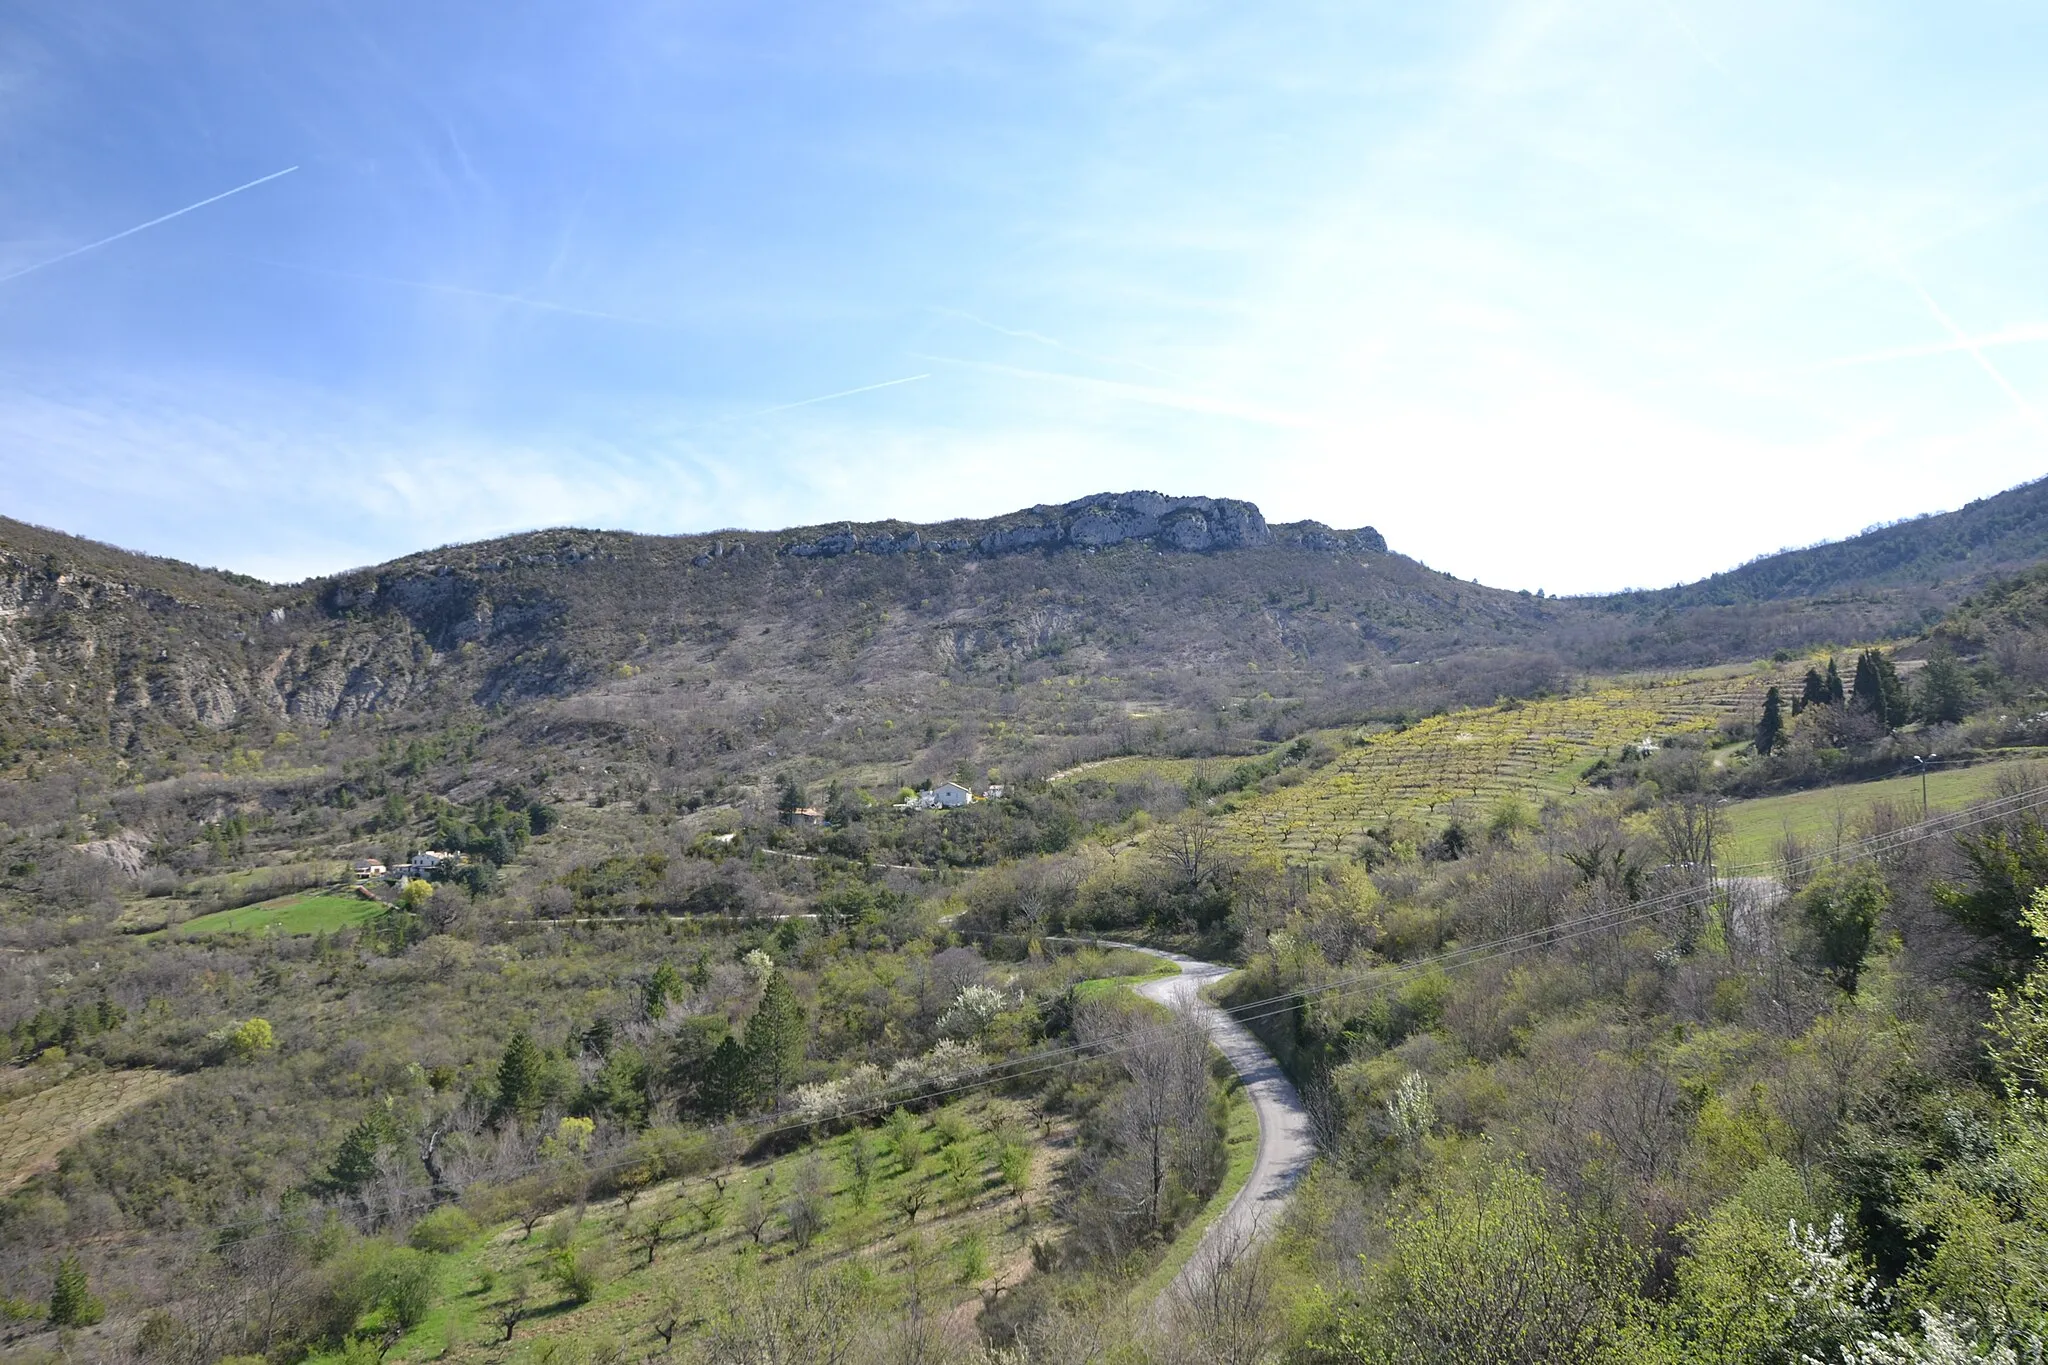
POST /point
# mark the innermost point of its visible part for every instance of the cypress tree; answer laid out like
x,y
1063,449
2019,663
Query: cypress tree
x,y
1866,693
1835,694
519,1077
1770,730
72,1303
1891,692
724,1087
1813,692
776,1038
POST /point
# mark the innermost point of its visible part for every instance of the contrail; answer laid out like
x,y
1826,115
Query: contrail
x,y
2010,336
843,393
1140,393
1056,344
466,292
130,232
1975,348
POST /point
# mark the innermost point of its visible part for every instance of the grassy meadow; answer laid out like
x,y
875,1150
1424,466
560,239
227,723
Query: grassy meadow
x,y
320,912
1827,816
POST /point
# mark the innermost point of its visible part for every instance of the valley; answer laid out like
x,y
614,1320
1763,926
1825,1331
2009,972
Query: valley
x,y
1565,951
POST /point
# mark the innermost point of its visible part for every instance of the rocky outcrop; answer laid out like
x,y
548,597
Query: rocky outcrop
x,y
1313,535
1094,523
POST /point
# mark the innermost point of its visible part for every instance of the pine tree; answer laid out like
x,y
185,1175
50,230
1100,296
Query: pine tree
x,y
1835,694
1812,692
776,1038
1945,690
519,1077
790,798
72,1303
1770,730
724,1087
355,1164
664,986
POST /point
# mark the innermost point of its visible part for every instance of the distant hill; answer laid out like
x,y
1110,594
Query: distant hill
x,y
1019,639
1970,545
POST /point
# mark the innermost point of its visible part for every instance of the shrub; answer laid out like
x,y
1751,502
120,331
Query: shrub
x,y
574,1272
72,1303
443,1230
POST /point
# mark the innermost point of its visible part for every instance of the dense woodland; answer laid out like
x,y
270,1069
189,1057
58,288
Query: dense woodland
x,y
656,1071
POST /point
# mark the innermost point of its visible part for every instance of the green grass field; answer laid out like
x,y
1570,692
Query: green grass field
x,y
1826,815
314,912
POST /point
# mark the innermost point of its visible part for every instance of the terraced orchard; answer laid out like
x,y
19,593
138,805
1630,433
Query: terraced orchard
x,y
1469,760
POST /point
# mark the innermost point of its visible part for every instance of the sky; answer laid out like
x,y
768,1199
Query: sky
x,y
1564,296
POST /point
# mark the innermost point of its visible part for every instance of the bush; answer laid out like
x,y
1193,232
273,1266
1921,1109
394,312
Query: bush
x,y
443,1230
574,1272
72,1303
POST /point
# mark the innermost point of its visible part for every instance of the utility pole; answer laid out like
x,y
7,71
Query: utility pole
x,y
1923,781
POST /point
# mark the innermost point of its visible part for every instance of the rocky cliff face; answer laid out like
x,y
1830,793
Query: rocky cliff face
x,y
1192,525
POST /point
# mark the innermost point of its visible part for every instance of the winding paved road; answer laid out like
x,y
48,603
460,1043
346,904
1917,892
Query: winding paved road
x,y
1285,1148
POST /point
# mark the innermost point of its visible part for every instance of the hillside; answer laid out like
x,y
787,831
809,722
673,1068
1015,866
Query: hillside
x,y
1192,614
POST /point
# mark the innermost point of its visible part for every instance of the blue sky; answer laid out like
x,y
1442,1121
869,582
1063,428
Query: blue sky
x,y
1569,296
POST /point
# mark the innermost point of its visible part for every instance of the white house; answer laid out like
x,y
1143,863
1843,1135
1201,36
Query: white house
x,y
950,795
366,868
422,863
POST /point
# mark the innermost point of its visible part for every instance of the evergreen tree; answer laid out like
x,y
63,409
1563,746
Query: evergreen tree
x,y
776,1038
1866,693
1878,691
1770,730
72,1303
355,1164
790,798
1812,692
664,986
1945,690
724,1087
1835,694
520,1075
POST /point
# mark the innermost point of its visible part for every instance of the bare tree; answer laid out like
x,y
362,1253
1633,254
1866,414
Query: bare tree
x,y
1223,1304
1687,829
1189,850
1160,1117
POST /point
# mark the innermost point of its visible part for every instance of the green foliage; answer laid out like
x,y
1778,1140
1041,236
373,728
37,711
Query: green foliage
x,y
1877,690
724,1088
1840,911
1494,1270
1760,1284
522,1075
72,1303
575,1272
777,1036
403,1286
2007,865
1770,727
444,1230
663,988
355,1163
1944,690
